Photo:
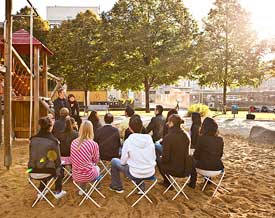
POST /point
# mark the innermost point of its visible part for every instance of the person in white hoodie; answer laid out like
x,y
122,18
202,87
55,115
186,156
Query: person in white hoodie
x,y
138,158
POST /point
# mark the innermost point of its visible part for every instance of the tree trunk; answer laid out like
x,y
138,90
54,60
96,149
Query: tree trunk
x,y
147,96
224,96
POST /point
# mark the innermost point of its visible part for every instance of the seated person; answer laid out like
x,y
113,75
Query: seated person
x,y
59,125
67,137
166,126
94,118
138,158
156,124
85,155
45,156
108,139
195,129
209,150
175,151
128,132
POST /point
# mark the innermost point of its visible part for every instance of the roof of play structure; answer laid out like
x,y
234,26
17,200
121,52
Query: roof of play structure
x,y
21,42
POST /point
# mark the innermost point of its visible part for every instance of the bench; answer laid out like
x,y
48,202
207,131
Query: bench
x,y
98,107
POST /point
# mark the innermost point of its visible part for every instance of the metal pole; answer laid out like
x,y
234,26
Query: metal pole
x,y
31,70
8,86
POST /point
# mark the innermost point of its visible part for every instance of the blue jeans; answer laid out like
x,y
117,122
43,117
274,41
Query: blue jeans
x,y
116,168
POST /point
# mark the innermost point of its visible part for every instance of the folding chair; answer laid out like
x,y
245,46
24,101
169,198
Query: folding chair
x,y
153,179
208,175
106,168
66,161
176,186
87,194
42,194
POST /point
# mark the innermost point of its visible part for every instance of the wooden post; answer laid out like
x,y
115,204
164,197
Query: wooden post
x,y
8,86
44,75
36,89
1,140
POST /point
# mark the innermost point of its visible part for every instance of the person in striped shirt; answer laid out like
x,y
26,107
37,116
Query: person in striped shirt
x,y
85,155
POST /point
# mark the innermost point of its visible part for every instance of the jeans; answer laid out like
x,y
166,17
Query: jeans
x,y
116,168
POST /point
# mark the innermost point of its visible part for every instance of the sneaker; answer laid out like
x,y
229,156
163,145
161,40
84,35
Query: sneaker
x,y
39,195
60,194
80,193
117,190
139,193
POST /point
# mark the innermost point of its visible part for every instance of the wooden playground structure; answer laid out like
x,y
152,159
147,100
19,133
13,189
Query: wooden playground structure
x,y
25,86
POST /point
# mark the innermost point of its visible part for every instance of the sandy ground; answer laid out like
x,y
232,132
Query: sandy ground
x,y
250,177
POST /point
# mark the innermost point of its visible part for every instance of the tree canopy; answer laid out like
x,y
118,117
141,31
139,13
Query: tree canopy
x,y
149,43
228,53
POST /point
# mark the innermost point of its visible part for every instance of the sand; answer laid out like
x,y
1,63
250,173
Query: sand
x,y
250,177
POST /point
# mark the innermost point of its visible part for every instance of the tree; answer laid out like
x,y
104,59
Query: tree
x,y
40,27
149,43
77,48
228,53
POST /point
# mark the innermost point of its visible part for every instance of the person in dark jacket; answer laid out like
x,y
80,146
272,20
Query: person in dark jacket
x,y
45,156
59,125
166,126
74,107
108,139
60,102
209,150
195,129
94,118
67,137
128,132
156,124
174,156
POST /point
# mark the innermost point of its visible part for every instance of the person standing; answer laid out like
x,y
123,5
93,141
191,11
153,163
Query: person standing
x,y
60,102
108,139
74,106
156,124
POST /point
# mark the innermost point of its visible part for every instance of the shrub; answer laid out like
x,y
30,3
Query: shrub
x,y
200,108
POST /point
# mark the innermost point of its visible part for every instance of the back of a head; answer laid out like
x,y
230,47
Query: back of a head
x,y
68,125
136,125
196,118
64,112
129,111
176,120
209,127
108,118
171,112
93,117
45,124
86,130
159,108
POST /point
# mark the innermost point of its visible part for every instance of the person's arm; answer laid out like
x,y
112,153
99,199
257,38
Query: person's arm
x,y
166,150
77,108
95,153
221,149
124,154
150,126
56,108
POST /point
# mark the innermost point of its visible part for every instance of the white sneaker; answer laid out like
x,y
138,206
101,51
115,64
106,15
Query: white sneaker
x,y
60,194
80,193
39,195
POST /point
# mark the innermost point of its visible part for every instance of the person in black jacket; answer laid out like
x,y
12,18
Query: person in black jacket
x,y
108,139
156,124
166,126
45,156
94,118
74,107
174,156
67,137
60,102
59,125
195,128
128,132
209,150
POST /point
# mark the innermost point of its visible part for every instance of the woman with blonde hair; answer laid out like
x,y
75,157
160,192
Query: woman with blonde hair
x,y
85,155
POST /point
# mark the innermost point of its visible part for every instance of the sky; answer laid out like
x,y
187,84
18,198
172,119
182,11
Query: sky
x,y
262,11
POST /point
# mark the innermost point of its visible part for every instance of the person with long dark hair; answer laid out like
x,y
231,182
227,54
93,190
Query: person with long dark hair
x,y
94,118
74,106
45,156
209,150
195,128
166,126
67,137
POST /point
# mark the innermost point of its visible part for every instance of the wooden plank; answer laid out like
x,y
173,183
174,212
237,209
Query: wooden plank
x,y
36,88
8,88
